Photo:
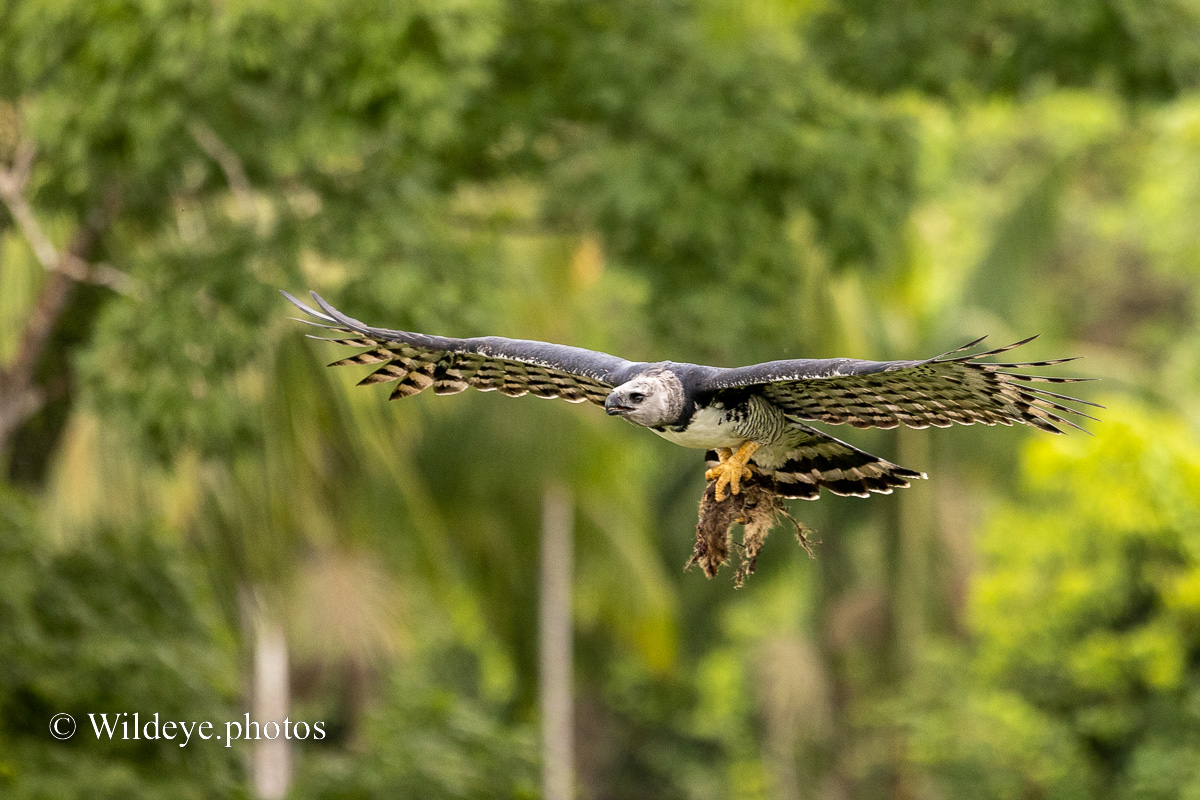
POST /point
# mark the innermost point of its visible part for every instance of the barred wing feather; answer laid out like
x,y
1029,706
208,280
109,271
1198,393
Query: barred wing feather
x,y
514,367
939,391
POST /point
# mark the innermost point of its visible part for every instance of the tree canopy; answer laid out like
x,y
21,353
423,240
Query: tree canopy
x,y
701,181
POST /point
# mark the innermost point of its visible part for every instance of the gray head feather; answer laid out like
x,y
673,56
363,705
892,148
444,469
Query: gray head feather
x,y
651,399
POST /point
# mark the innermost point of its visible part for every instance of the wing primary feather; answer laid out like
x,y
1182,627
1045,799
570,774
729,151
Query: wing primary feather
x,y
306,308
338,316
1043,403
354,342
966,346
1046,415
320,324
986,353
310,322
1040,378
1049,393
1039,422
1020,364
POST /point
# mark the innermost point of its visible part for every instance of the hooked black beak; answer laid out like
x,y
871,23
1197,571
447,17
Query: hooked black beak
x,y
613,406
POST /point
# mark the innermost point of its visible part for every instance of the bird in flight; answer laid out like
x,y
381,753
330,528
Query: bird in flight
x,y
752,421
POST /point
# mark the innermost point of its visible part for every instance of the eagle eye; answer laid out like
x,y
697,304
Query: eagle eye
x,y
637,397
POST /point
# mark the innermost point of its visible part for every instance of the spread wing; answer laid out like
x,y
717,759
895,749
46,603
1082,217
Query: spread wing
x,y
491,363
938,391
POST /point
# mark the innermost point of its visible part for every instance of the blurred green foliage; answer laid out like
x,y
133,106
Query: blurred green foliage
x,y
455,744
1142,50
121,622
1081,675
689,180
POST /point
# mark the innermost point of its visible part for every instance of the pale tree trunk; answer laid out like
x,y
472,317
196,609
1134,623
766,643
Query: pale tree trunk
x,y
272,764
554,650
909,586
909,596
835,579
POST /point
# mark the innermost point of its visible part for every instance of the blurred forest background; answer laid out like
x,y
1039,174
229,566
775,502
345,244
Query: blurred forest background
x,y
189,497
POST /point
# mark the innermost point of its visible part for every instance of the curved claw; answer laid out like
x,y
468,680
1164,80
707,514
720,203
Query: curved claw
x,y
732,469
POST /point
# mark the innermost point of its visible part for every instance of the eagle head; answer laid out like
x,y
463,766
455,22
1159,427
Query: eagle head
x,y
651,399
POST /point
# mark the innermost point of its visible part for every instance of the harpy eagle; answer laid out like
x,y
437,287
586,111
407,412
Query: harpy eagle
x,y
751,420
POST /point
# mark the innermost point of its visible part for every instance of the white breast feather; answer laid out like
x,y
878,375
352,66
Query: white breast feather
x,y
709,428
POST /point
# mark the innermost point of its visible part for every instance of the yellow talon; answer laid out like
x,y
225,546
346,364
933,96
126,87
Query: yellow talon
x,y
732,470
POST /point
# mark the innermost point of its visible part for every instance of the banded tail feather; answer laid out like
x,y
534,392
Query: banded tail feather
x,y
815,460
